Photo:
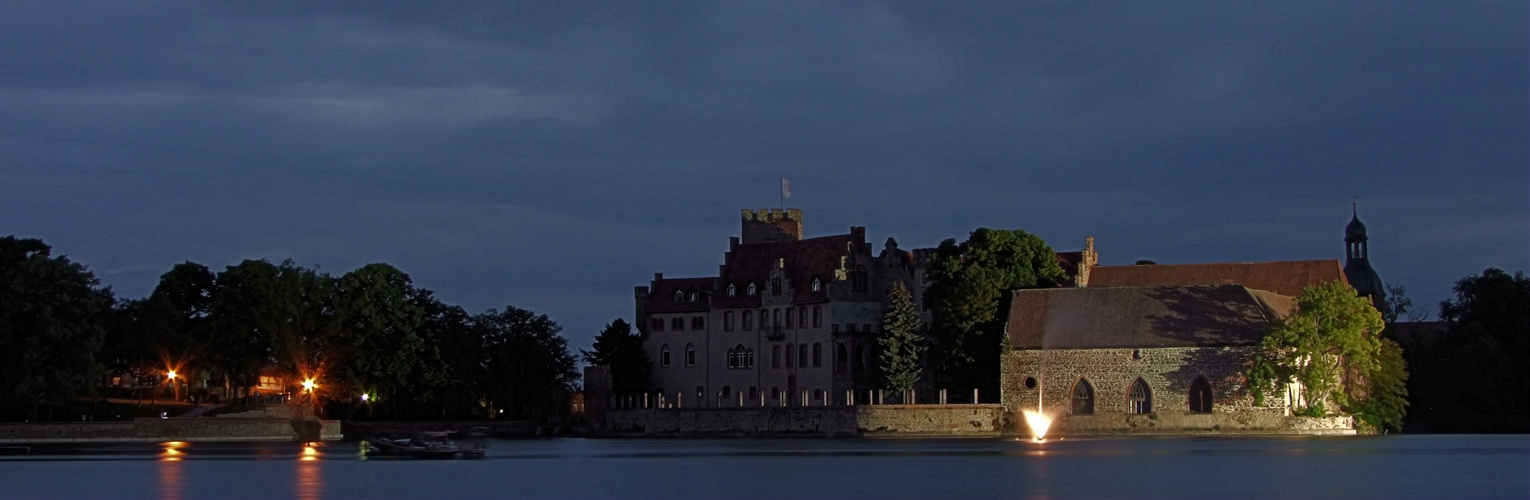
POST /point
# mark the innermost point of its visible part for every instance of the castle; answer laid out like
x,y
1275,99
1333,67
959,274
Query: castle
x,y
791,322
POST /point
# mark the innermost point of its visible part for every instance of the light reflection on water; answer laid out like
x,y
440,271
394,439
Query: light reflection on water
x,y
1377,467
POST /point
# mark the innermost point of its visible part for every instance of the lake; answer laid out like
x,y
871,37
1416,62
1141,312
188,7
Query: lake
x,y
1421,466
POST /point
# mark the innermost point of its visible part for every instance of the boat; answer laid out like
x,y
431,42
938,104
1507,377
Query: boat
x,y
427,445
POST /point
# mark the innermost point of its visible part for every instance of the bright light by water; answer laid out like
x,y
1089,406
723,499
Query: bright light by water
x,y
1038,422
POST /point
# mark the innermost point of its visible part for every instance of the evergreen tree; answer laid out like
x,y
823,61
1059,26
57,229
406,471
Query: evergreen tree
x,y
618,348
900,342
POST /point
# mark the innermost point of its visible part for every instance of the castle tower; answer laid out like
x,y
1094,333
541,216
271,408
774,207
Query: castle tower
x,y
771,225
1357,266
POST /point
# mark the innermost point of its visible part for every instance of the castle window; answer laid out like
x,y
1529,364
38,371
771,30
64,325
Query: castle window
x,y
817,285
748,320
801,317
860,358
727,391
789,323
775,356
732,290
789,356
802,355
1200,396
679,296
664,356
1083,398
656,324
775,286
754,393
728,321
775,319
775,392
859,282
841,358
748,358
698,323
817,316
1140,398
752,290
817,355
690,356
817,394
677,323
732,359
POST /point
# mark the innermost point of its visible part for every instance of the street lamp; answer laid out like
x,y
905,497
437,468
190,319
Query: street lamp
x,y
175,391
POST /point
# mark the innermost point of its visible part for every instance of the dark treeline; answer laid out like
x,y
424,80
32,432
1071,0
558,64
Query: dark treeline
x,y
369,331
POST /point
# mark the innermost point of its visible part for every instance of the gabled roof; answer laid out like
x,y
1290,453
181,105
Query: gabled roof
x,y
662,297
1141,317
805,260
1283,277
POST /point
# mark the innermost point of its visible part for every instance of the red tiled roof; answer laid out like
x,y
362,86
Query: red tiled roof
x,y
1132,317
1283,277
661,298
805,260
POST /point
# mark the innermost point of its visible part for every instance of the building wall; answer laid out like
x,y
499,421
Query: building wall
x,y
887,420
1168,373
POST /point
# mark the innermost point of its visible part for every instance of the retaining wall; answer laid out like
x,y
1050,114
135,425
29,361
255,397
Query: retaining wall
x,y
157,429
868,420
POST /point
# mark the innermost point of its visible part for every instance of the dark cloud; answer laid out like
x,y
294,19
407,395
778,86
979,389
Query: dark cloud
x,y
553,154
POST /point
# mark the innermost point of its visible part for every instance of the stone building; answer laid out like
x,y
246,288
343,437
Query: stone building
x,y
1144,359
786,320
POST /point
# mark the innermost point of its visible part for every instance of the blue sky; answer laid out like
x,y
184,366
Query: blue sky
x,y
551,155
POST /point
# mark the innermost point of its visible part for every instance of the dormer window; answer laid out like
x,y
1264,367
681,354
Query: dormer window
x,y
732,290
752,290
679,296
817,285
693,295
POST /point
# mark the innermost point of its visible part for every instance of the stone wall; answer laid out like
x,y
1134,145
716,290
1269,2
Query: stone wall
x,y
869,420
1047,377
156,429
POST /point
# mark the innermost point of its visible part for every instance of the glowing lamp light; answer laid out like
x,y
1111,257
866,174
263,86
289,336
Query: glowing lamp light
x,y
365,397
1038,422
309,385
171,375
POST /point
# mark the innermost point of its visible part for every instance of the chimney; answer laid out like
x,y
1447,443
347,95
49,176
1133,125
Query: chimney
x,y
1086,261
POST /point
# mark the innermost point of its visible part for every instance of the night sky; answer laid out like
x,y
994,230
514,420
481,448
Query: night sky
x,y
552,155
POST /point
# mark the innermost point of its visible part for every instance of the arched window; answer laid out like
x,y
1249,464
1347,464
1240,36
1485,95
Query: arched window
x,y
732,290
817,355
841,358
728,321
860,357
752,290
748,321
664,356
817,316
775,319
775,286
690,355
802,317
789,356
677,323
679,296
1140,399
858,282
732,359
1200,396
775,356
727,391
656,324
789,323
802,355
748,358
697,323
1083,398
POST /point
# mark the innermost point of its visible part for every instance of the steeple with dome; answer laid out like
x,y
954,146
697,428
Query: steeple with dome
x,y
1357,265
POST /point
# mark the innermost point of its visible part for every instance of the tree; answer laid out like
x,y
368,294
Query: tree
x,y
1333,338
528,369
1398,306
900,341
51,325
264,313
378,325
1476,377
618,348
969,280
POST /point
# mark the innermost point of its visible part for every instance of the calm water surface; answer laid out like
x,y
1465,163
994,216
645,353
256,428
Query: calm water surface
x,y
1351,467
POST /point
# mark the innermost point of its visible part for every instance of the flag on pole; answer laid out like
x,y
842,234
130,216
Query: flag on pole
x,y
786,188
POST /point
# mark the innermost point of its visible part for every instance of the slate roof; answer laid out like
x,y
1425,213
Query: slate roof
x,y
662,297
1133,317
805,260
1283,277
